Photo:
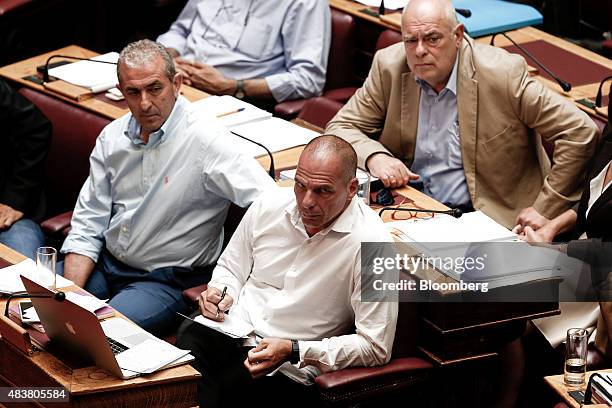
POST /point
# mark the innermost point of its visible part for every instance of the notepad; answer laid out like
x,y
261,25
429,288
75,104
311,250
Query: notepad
x,y
231,326
224,109
95,76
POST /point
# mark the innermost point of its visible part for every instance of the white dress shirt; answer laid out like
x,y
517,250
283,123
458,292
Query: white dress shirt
x,y
286,42
162,203
292,286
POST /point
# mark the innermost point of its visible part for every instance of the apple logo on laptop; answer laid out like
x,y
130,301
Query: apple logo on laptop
x,y
70,328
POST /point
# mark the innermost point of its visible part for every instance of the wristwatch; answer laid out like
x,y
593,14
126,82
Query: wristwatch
x,y
295,352
239,93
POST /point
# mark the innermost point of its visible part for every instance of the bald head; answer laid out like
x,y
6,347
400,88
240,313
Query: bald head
x,y
330,148
442,11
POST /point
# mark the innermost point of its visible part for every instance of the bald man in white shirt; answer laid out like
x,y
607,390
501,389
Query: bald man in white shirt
x,y
293,271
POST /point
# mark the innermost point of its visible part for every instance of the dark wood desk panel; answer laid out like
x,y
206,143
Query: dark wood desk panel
x,y
92,386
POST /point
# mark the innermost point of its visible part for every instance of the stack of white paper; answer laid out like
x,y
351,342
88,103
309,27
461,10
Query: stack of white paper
x,y
274,133
229,110
11,283
95,76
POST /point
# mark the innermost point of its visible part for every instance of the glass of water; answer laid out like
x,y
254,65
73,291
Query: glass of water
x,y
45,266
575,356
363,189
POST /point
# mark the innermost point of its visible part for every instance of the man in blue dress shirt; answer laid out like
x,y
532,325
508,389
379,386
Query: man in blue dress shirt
x,y
149,219
252,48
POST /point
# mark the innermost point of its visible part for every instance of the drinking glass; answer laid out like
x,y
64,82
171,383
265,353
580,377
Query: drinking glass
x,y
575,356
363,189
45,266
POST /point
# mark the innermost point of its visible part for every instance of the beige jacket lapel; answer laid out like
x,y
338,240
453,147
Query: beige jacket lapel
x,y
409,116
467,105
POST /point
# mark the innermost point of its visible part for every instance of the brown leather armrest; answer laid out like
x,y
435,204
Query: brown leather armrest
x,y
366,382
7,6
192,294
289,109
399,366
60,224
340,94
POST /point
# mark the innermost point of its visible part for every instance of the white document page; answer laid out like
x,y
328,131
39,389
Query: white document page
x,y
149,356
231,326
11,283
89,303
224,108
274,133
471,227
94,76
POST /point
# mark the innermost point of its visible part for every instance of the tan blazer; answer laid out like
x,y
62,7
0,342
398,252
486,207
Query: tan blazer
x,y
499,105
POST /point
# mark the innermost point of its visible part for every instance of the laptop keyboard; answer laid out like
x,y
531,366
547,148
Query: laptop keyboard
x,y
115,346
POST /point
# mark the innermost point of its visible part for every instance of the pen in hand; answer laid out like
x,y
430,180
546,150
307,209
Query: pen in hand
x,y
221,300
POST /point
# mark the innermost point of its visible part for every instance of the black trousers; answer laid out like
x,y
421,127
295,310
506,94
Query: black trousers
x,y
225,380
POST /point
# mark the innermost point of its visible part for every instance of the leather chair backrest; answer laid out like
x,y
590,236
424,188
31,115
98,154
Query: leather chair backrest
x,y
387,38
74,137
341,53
320,110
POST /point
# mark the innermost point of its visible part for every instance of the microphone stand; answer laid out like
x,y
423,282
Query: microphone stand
x,y
271,171
46,70
566,86
455,212
59,296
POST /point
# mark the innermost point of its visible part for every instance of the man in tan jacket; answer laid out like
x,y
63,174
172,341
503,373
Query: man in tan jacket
x,y
462,118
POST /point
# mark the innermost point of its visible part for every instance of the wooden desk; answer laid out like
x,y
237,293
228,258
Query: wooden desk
x,y
92,386
562,389
99,104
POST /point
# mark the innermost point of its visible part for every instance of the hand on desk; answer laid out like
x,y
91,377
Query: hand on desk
x,y
210,299
8,216
391,171
204,77
269,354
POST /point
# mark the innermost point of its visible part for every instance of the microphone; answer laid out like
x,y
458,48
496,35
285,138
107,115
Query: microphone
x,y
381,9
59,296
271,171
46,70
566,86
467,13
455,212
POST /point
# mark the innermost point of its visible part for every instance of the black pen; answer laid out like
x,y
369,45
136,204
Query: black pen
x,y
221,300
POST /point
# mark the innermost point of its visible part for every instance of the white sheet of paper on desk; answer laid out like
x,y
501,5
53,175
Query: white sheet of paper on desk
x,y
215,106
471,227
149,356
10,281
94,76
389,4
231,326
90,303
274,133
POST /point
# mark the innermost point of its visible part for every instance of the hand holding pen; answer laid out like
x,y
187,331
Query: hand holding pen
x,y
214,302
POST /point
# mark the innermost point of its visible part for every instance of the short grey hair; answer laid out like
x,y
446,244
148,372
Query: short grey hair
x,y
139,53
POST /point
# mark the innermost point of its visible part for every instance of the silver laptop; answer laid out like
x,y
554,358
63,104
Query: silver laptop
x,y
75,329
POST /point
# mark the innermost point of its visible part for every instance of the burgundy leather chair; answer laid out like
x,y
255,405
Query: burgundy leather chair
x,y
6,6
387,38
74,136
339,82
320,110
